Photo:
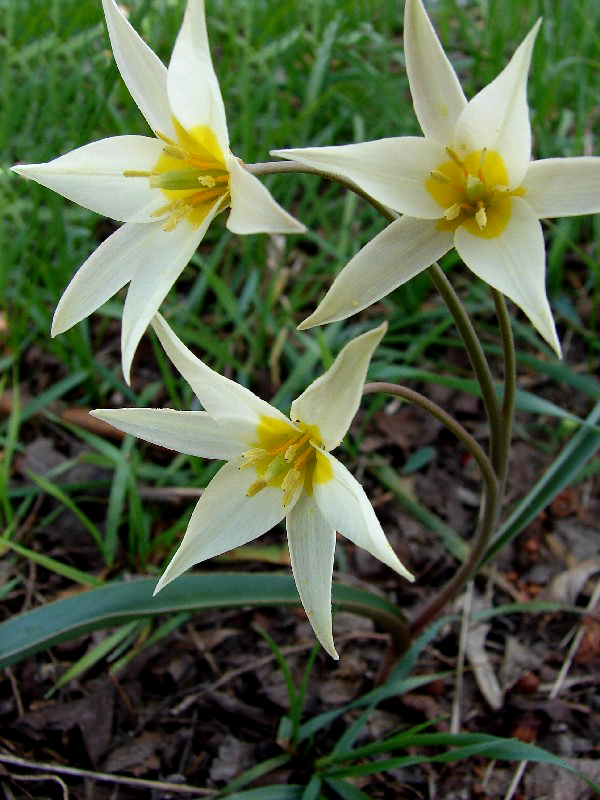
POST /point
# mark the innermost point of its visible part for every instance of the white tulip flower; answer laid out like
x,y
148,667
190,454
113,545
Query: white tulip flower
x,y
166,189
276,467
469,184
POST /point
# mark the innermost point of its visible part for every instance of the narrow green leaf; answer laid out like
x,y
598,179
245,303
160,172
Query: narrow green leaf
x,y
93,655
117,603
346,790
559,475
66,570
255,772
54,491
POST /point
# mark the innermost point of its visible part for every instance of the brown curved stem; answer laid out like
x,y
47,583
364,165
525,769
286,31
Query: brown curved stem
x,y
490,507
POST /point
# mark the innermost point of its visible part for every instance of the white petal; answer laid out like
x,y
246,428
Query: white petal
x,y
194,92
312,545
225,518
332,400
106,271
190,432
514,264
563,187
436,92
165,255
92,176
345,506
143,72
393,171
253,209
394,256
498,117
223,398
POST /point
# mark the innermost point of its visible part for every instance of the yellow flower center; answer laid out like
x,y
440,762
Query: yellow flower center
x,y
286,458
473,192
191,174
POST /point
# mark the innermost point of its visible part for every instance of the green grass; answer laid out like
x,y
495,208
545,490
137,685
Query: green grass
x,y
291,74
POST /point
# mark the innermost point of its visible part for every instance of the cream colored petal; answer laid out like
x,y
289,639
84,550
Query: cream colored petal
x,y
436,92
143,72
191,432
93,176
498,117
224,399
194,92
158,265
393,257
514,264
332,400
312,545
106,271
563,187
253,209
393,171
345,506
225,518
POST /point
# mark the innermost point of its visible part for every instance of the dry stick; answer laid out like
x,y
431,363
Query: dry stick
x,y
490,506
554,692
125,780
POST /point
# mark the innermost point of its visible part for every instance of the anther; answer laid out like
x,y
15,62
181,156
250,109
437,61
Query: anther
x,y
207,180
165,139
456,159
176,152
255,488
452,212
481,217
439,176
253,456
137,173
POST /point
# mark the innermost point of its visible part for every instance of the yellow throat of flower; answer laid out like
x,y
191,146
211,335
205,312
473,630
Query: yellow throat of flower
x,y
286,458
191,174
473,192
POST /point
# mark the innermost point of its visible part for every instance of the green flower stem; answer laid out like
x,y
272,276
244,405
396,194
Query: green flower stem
x,y
510,383
442,284
477,359
276,167
490,509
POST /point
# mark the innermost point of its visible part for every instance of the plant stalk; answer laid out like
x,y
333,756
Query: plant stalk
x,y
490,509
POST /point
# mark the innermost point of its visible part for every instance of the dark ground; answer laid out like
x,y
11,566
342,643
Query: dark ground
x,y
202,705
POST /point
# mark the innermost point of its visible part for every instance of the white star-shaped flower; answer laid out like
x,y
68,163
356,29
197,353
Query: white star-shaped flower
x,y
469,184
166,189
276,467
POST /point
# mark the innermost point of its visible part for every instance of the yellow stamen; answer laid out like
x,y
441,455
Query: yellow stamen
x,y
255,488
481,217
452,212
207,180
137,173
165,138
169,207
176,152
302,458
456,160
291,480
253,456
439,176
291,450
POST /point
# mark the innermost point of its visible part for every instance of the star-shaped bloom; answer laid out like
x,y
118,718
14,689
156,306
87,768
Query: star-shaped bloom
x,y
166,189
276,467
469,184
